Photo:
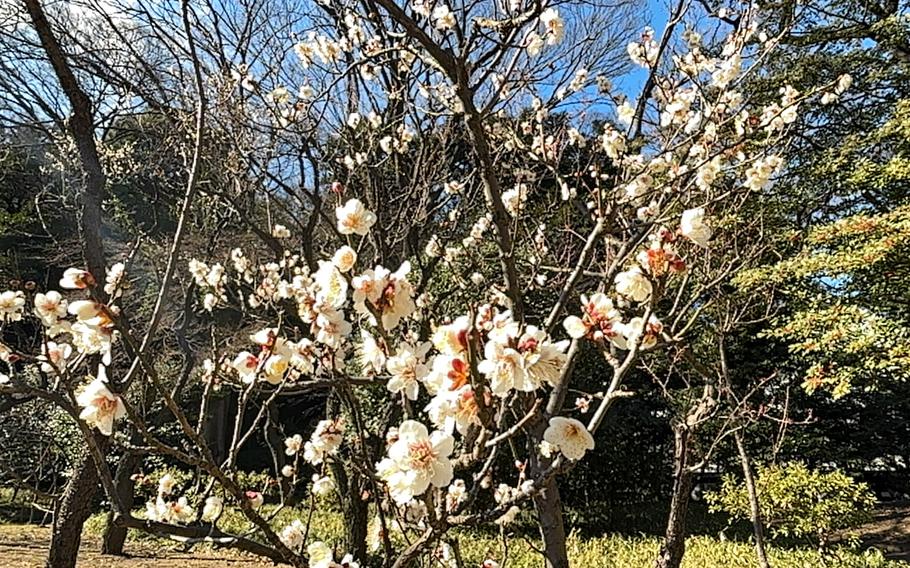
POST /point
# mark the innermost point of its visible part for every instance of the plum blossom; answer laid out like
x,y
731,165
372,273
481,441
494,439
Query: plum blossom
x,y
371,356
454,409
54,355
293,445
331,285
344,258
408,369
354,218
599,320
515,198
660,258
760,172
281,232
554,25
292,535
456,493
212,508
175,511
644,53
330,326
416,460
648,333
324,441
322,485
50,307
569,436
166,484
76,279
633,284
114,282
452,339
522,362
247,365
625,113
693,226
389,293
12,304
100,407
613,142
534,43
443,17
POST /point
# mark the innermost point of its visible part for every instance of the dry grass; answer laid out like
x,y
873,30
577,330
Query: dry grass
x,y
25,546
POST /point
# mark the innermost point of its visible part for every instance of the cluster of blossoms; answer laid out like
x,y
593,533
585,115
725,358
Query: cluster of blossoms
x,y
168,509
416,459
554,31
602,319
325,441
278,358
92,331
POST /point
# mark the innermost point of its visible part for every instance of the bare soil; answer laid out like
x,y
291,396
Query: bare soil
x,y
889,531
25,546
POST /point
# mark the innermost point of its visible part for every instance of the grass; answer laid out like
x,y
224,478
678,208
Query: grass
x,y
611,550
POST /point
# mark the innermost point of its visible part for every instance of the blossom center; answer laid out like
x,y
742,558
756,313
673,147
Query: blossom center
x,y
421,454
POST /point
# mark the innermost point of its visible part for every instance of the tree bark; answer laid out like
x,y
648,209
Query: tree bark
x,y
754,507
115,534
548,505
354,509
72,511
75,505
674,545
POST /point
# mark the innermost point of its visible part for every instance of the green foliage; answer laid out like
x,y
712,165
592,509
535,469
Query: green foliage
x,y
850,284
797,502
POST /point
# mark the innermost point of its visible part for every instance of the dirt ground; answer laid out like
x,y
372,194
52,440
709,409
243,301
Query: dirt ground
x,y
24,546
889,531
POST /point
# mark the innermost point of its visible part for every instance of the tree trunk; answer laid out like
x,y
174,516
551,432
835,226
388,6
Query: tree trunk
x,y
114,535
754,507
73,510
351,487
674,545
552,529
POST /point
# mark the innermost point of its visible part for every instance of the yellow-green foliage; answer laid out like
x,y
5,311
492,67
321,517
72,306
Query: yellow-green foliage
x,y
798,502
639,552
852,280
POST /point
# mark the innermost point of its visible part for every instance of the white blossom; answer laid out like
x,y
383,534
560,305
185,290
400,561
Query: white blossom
x,y
569,436
354,218
416,460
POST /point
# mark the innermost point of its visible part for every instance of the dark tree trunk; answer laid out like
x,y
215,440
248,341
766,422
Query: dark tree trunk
x,y
72,511
674,545
217,426
115,535
754,507
351,487
75,505
548,505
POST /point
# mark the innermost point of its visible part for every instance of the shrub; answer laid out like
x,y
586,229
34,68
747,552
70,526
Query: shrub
x,y
798,502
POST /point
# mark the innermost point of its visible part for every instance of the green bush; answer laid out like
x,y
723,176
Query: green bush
x,y
798,502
